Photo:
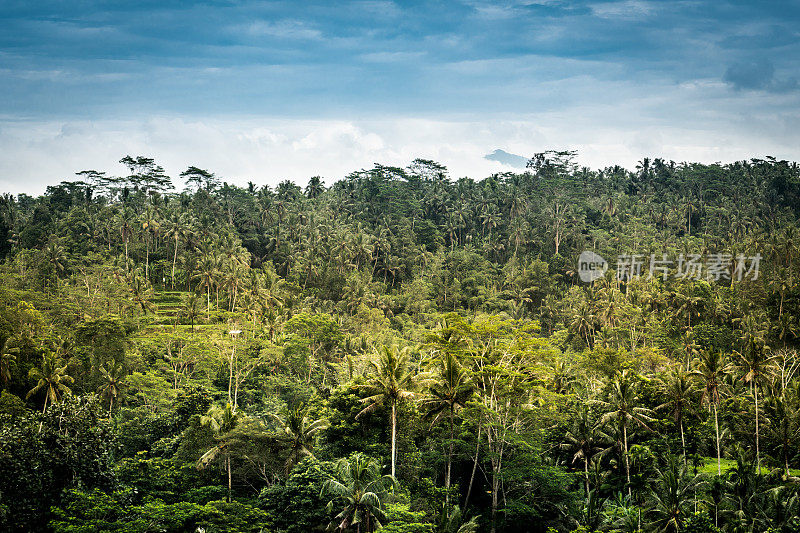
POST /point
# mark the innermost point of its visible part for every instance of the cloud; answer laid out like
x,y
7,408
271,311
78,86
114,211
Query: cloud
x,y
626,9
285,29
511,160
296,89
757,75
269,149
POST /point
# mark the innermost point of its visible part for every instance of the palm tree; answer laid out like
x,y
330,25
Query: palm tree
x,y
449,392
455,522
711,369
755,363
55,255
622,408
150,224
125,228
52,377
785,428
314,187
584,441
112,383
8,357
680,392
362,490
671,497
300,432
190,307
141,291
221,421
582,322
743,495
391,381
206,278
178,229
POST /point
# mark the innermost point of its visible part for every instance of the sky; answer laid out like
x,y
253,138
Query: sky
x,y
265,91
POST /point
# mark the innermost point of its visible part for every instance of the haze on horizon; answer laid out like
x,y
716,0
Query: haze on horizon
x,y
265,91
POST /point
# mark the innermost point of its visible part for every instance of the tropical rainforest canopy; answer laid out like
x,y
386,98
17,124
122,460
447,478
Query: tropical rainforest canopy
x,y
402,352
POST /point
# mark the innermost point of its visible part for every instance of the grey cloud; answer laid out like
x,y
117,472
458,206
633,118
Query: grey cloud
x,y
757,75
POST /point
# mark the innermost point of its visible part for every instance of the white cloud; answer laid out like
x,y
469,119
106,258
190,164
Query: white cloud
x,y
625,9
283,29
719,126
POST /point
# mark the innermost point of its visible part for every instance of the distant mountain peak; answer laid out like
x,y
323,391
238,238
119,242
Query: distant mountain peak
x,y
508,159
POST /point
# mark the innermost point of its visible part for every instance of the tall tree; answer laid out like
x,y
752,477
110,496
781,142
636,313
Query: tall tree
x,y
300,432
112,377
680,392
52,377
755,364
361,491
449,392
390,382
221,421
8,358
711,367
585,440
623,408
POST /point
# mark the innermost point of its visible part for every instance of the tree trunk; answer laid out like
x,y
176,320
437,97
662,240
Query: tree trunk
x,y
228,461
683,444
719,454
758,449
586,475
394,433
230,376
627,461
449,460
474,468
786,461
495,490
174,260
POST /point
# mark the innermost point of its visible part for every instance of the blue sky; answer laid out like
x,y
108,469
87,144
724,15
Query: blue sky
x,y
264,91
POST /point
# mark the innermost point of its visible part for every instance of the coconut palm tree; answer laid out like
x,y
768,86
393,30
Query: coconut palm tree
x,y
300,432
680,392
221,421
141,291
206,278
56,256
112,384
584,441
150,225
784,412
390,382
755,364
190,307
8,357
671,497
448,393
52,377
711,367
582,323
455,522
361,490
179,228
622,408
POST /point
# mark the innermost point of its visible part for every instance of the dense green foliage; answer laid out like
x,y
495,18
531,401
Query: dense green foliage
x,y
250,359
